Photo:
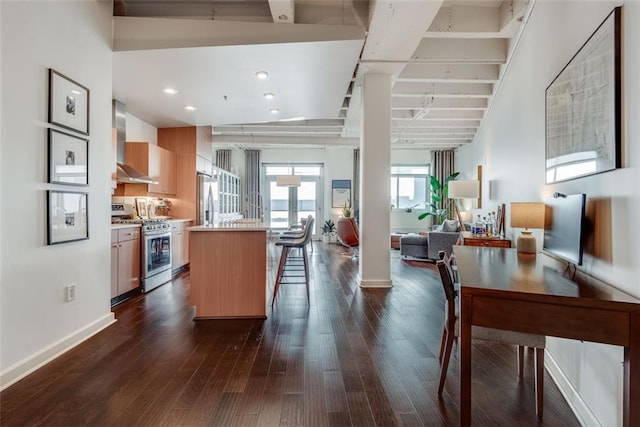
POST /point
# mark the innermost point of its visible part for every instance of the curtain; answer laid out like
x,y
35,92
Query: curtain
x,y
356,183
441,167
254,204
223,159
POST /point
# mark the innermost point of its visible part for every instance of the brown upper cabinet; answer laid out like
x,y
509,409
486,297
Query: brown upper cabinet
x,y
193,150
157,163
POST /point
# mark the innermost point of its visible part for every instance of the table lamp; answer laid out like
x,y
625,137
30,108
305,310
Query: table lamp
x,y
463,189
527,215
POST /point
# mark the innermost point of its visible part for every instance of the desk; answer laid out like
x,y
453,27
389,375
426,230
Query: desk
x,y
502,289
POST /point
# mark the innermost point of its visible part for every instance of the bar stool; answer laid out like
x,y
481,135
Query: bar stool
x,y
292,264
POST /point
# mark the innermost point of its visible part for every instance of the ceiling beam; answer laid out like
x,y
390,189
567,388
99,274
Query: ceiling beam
x,y
247,11
468,51
467,18
151,33
454,114
438,103
453,90
287,140
282,11
478,73
435,123
433,131
424,143
287,124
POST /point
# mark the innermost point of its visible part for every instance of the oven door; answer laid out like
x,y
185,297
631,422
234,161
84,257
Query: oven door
x,y
157,256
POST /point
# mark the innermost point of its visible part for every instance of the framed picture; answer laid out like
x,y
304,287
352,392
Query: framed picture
x,y
141,207
583,108
68,159
340,192
500,219
68,103
67,216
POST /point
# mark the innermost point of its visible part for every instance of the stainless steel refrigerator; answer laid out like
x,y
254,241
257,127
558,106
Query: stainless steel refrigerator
x,y
207,205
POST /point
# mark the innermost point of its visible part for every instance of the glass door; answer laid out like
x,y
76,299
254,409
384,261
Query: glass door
x,y
286,206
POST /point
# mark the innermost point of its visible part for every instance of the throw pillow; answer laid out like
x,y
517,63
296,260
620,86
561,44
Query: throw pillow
x,y
450,225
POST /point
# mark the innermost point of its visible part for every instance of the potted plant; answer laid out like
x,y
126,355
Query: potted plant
x,y
438,209
346,209
328,230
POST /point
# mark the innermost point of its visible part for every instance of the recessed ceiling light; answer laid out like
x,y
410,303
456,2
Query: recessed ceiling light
x,y
170,91
274,111
190,107
269,95
262,75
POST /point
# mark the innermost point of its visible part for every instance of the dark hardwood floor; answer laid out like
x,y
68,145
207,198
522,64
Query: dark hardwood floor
x,y
353,357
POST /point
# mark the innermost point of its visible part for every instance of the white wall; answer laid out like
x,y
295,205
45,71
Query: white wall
x,y
75,39
510,146
140,131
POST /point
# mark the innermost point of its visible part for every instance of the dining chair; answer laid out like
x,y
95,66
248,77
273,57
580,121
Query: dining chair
x,y
297,231
451,331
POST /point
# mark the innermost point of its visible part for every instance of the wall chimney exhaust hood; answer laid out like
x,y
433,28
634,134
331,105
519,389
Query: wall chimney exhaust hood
x,y
126,173
129,175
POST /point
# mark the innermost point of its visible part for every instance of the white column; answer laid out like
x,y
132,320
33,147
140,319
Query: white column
x,y
375,188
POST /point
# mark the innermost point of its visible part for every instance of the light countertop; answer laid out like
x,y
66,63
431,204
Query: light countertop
x,y
119,226
233,226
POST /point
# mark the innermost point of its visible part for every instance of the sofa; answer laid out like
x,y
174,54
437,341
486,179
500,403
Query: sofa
x,y
427,245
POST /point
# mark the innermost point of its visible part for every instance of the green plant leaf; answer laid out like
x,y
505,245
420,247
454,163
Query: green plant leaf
x,y
435,184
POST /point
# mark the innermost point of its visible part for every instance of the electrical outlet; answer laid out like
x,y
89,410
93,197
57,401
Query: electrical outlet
x,y
70,292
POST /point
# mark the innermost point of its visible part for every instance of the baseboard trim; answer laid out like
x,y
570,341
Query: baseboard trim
x,y
21,369
374,283
574,400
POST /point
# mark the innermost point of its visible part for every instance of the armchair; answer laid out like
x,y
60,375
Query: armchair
x,y
348,234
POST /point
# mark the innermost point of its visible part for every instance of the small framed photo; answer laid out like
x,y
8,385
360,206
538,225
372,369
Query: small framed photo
x,y
67,216
68,159
68,103
141,206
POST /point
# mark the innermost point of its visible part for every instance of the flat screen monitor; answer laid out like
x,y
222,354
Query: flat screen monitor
x,y
564,226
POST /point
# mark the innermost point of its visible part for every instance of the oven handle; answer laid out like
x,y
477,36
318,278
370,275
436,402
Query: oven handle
x,y
158,234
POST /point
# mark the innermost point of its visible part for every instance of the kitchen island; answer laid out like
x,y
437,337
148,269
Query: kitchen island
x,y
229,270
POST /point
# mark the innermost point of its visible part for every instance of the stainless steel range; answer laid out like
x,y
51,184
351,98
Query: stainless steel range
x,y
156,251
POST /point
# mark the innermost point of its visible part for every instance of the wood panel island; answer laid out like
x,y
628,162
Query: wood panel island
x,y
229,270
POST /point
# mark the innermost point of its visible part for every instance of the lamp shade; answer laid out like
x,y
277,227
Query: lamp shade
x,y
288,181
464,189
527,215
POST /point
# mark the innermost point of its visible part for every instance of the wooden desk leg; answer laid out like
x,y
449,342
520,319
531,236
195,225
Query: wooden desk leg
x,y
465,359
631,387
539,381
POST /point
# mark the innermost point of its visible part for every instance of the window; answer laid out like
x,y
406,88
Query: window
x,y
409,186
